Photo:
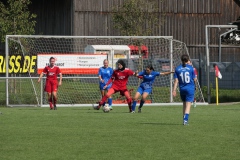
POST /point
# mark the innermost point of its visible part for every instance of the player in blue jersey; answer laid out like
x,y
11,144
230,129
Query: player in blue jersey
x,y
104,74
145,88
185,76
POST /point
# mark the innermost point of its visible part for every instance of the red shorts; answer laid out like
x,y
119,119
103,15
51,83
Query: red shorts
x,y
51,86
123,92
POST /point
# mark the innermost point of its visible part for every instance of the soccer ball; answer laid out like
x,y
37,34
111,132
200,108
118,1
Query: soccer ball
x,y
106,108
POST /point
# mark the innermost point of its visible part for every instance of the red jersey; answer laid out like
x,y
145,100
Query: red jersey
x,y
51,72
121,78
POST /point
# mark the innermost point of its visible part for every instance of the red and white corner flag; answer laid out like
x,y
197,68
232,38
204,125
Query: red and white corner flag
x,y
217,72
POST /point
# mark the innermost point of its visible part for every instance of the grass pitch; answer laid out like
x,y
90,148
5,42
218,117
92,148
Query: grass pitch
x,y
84,133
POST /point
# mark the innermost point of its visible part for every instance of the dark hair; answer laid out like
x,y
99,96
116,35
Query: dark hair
x,y
150,67
185,59
51,59
122,63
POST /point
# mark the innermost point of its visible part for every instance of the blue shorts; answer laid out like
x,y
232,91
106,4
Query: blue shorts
x,y
187,96
101,85
141,90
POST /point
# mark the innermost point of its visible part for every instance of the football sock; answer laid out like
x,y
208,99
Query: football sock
x,y
103,100
185,118
104,103
141,103
110,101
134,105
50,102
129,101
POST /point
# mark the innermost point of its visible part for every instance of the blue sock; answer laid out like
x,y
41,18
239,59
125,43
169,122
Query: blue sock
x,y
185,118
134,105
110,101
104,103
141,103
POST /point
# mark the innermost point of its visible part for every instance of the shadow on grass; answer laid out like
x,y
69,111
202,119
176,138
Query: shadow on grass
x,y
167,124
28,108
93,111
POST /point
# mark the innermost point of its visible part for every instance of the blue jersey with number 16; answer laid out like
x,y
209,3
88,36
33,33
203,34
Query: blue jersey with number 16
x,y
185,76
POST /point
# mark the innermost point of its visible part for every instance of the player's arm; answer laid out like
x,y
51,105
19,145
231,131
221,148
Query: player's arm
x,y
60,79
100,78
110,80
132,73
175,87
136,73
99,75
166,73
41,75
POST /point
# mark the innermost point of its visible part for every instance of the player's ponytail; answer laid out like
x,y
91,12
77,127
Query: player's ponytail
x,y
185,59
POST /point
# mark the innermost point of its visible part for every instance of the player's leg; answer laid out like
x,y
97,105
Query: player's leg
x,y
183,97
102,91
144,97
54,100
137,95
109,98
187,106
129,99
50,100
184,107
48,89
105,97
54,93
146,92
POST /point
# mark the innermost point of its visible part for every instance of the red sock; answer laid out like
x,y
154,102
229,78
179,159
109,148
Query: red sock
x,y
103,100
129,101
50,103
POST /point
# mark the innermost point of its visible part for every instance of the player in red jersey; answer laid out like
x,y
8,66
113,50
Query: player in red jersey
x,y
52,83
119,79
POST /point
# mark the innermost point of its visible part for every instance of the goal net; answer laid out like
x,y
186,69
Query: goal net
x,y
79,59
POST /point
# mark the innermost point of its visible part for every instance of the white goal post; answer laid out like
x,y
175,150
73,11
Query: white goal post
x,y
79,58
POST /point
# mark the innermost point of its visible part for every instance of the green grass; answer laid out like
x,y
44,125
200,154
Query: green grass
x,y
84,133
22,92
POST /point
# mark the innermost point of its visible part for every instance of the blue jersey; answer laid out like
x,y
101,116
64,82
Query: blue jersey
x,y
185,76
105,73
148,79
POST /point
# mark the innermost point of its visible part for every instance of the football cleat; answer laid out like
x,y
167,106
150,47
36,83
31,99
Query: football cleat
x,y
133,112
185,123
139,110
110,107
95,107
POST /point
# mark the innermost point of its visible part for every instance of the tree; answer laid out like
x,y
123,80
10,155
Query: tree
x,y
137,17
15,18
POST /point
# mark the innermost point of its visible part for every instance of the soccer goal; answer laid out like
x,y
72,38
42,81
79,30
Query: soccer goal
x,y
79,58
